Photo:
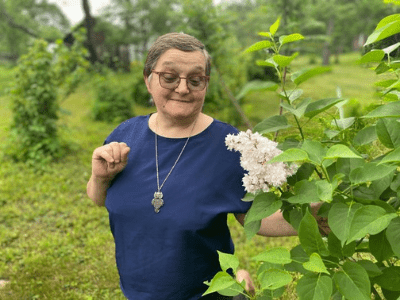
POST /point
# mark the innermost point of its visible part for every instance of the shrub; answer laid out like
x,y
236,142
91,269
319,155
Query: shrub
x,y
111,105
358,184
39,77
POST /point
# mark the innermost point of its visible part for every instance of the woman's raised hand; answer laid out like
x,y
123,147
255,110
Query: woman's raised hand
x,y
109,160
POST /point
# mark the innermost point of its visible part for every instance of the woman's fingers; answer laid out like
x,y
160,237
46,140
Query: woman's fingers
x,y
124,152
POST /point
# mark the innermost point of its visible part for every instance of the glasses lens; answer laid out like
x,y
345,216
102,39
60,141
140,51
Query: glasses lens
x,y
196,83
171,81
168,80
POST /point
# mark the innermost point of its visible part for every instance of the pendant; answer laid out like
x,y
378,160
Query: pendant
x,y
157,202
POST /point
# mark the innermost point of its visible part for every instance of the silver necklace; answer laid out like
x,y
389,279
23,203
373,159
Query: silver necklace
x,y
158,201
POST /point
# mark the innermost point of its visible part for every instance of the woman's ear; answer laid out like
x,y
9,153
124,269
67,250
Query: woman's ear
x,y
147,80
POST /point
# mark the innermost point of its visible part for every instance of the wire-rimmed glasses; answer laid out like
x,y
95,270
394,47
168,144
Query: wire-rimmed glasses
x,y
171,81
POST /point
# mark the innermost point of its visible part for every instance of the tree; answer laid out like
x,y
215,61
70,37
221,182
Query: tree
x,y
21,21
142,20
89,22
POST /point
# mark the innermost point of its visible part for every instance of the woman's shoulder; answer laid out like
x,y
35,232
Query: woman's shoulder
x,y
225,127
128,127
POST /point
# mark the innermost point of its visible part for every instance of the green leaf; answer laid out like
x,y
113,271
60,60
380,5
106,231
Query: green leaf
x,y
343,123
272,124
370,172
340,218
315,151
278,255
324,190
284,61
304,172
380,247
252,228
365,136
284,39
391,48
371,268
292,154
387,20
383,32
369,219
249,197
267,34
315,264
395,85
264,205
340,150
221,281
393,235
314,287
258,46
309,236
336,249
382,68
295,94
299,110
228,261
299,256
273,294
353,282
267,63
231,291
256,85
317,107
391,109
274,278
372,56
385,83
393,156
305,74
274,27
305,192
388,131
390,279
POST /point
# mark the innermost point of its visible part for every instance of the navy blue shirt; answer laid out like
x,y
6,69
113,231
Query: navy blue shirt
x,y
168,255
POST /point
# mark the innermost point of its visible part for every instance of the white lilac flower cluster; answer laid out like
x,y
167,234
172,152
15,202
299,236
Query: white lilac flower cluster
x,y
256,151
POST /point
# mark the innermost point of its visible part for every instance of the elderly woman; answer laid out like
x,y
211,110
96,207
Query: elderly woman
x,y
168,182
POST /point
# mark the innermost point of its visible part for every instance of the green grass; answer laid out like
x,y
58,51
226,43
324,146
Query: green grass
x,y
55,244
356,83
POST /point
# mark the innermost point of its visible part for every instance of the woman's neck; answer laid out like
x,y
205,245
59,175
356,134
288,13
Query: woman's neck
x,y
178,128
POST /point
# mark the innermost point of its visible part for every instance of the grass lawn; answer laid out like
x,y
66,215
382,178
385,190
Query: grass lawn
x,y
55,244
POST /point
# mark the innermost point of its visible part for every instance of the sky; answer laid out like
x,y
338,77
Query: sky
x,y
73,8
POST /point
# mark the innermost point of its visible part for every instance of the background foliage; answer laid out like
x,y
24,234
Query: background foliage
x,y
358,186
50,231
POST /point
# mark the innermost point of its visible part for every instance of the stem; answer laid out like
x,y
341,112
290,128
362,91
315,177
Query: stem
x,y
283,83
298,125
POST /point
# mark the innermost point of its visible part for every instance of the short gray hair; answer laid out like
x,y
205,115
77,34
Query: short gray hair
x,y
174,40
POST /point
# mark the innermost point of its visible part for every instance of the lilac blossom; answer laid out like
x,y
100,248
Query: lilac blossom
x,y
256,151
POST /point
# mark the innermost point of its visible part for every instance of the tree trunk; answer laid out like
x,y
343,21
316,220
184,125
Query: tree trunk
x,y
89,24
326,52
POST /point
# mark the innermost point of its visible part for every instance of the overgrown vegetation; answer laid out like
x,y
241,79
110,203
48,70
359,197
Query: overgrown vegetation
x,y
54,243
358,186
41,76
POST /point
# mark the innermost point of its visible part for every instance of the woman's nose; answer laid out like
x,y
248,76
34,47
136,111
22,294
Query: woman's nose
x,y
182,87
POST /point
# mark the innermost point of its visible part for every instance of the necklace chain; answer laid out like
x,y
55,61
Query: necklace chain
x,y
158,201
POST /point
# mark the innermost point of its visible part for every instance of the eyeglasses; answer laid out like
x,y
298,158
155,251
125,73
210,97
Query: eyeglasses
x,y
171,81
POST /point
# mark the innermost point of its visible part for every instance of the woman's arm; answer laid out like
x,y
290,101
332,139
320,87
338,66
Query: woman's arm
x,y
107,161
276,225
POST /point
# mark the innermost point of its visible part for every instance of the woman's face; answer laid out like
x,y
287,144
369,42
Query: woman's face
x,y
182,102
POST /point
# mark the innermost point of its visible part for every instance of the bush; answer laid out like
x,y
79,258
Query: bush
x,y
34,106
351,168
111,105
39,77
